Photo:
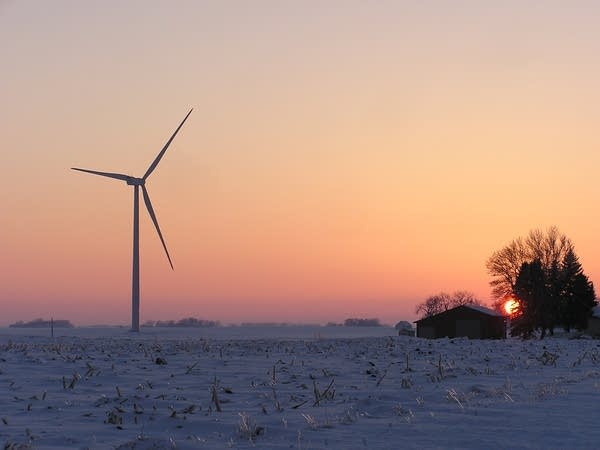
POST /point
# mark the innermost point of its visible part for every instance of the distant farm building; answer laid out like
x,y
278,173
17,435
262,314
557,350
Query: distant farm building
x,y
405,328
472,321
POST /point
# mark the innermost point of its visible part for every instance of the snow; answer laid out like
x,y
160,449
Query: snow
x,y
483,309
102,388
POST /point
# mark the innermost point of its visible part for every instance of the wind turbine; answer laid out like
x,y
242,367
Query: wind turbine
x,y
136,183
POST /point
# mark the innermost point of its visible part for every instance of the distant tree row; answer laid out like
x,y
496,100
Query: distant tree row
x,y
362,322
41,323
443,301
186,322
543,273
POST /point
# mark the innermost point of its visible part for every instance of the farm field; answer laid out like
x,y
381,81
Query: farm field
x,y
108,388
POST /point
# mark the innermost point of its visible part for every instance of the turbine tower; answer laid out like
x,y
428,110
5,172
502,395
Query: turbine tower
x,y
137,183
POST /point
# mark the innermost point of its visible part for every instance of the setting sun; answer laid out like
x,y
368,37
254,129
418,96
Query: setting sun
x,y
510,306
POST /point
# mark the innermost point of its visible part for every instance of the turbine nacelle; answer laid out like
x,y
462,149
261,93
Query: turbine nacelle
x,y
136,181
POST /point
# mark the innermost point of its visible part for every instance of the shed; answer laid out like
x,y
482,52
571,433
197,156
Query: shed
x,y
405,328
472,321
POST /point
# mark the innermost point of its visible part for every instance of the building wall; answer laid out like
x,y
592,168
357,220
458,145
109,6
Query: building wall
x,y
462,322
593,327
426,332
470,328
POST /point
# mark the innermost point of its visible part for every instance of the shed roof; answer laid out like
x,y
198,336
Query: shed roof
x,y
484,309
478,308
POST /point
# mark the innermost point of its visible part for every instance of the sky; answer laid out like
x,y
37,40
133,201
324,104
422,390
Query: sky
x,y
343,159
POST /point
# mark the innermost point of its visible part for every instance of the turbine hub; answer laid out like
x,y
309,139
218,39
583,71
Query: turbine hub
x,y
136,181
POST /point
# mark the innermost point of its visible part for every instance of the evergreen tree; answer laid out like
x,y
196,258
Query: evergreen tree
x,y
569,271
585,296
578,296
552,310
532,291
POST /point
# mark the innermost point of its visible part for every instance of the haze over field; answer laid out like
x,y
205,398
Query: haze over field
x,y
342,160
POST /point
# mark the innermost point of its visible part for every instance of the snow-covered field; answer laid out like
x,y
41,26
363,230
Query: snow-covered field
x,y
108,388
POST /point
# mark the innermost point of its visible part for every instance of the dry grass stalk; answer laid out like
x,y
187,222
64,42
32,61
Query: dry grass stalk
x,y
278,406
326,393
190,368
300,404
214,397
383,376
248,428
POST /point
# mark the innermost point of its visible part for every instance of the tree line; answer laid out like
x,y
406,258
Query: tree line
x,y
543,274
444,301
185,322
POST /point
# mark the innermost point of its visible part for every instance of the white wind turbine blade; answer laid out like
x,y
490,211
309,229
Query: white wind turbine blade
x,y
162,152
118,176
153,217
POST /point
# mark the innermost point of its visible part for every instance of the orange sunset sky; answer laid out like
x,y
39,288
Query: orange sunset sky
x,y
344,158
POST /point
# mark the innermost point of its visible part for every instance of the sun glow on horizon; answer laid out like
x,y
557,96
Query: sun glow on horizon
x,y
511,306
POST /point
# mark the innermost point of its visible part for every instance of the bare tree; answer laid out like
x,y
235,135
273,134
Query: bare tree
x,y
550,248
443,301
504,265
